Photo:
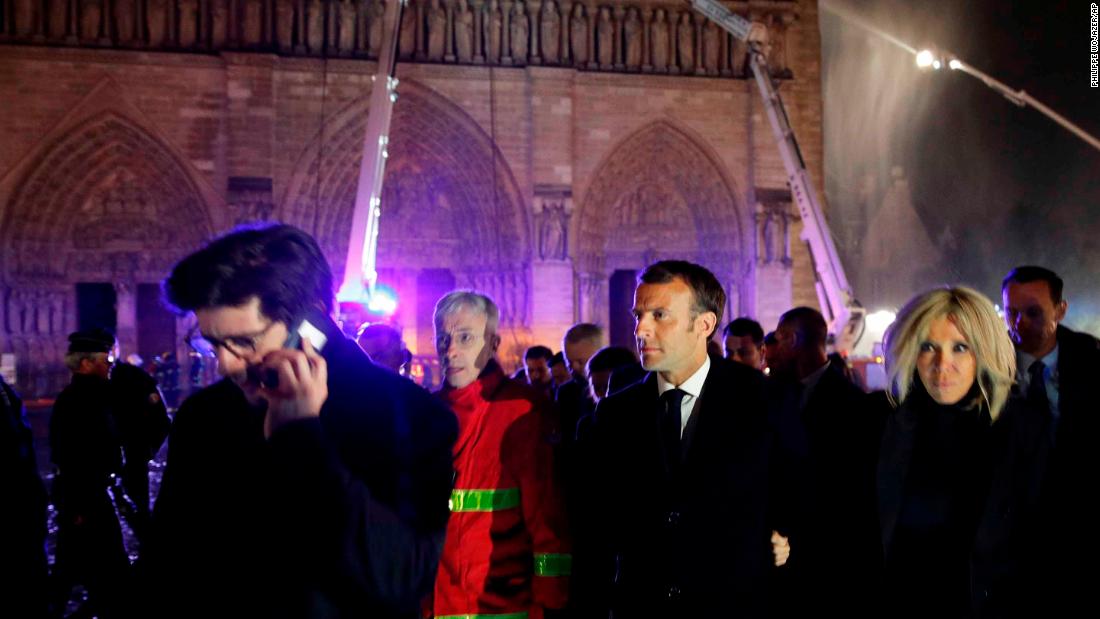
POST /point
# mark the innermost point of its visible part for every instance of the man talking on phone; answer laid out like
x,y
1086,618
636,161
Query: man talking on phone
x,y
308,482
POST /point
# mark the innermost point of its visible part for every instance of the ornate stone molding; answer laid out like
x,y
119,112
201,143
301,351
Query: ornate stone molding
x,y
654,37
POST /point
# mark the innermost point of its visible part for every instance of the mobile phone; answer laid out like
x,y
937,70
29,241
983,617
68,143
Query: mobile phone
x,y
315,326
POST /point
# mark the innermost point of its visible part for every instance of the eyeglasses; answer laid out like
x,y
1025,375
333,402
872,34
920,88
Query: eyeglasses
x,y
462,340
239,346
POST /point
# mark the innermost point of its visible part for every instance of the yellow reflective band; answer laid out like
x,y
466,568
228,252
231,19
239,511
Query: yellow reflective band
x,y
484,616
484,500
550,564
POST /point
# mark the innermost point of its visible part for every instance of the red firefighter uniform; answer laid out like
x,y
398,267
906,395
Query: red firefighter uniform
x,y
506,555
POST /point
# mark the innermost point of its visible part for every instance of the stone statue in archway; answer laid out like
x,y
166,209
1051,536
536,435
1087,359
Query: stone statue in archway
x,y
495,31
711,47
188,16
59,18
377,15
632,35
25,16
253,31
284,23
315,30
347,26
219,24
550,32
685,43
659,41
91,14
437,30
520,30
464,33
124,20
552,245
407,38
578,34
605,37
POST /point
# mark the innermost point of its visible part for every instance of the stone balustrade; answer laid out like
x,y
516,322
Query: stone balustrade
x,y
642,37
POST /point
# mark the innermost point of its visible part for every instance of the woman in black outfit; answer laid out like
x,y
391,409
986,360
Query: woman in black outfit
x,y
957,468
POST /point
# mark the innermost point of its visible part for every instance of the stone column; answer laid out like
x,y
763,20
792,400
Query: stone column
x,y
506,32
126,304
618,19
647,40
700,61
565,57
593,11
478,7
534,55
449,30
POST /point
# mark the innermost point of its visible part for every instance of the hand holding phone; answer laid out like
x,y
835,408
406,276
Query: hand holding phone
x,y
300,388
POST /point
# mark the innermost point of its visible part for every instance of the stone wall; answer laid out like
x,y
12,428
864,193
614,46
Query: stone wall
x,y
535,179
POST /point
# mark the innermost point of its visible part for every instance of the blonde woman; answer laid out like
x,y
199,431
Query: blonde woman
x,y
956,461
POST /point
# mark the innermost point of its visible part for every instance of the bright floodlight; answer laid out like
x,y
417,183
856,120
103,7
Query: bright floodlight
x,y
383,301
954,64
879,321
925,58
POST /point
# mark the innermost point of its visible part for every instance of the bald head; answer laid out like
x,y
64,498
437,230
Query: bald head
x,y
800,342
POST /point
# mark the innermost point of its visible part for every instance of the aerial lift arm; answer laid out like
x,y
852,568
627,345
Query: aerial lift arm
x,y
843,313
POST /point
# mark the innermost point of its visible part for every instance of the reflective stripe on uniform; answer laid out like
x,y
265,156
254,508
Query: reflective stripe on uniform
x,y
551,564
484,616
483,501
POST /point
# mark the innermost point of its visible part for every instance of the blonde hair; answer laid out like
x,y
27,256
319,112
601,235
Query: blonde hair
x,y
974,316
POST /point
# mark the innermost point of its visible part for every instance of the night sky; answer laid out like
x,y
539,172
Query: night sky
x,y
1008,184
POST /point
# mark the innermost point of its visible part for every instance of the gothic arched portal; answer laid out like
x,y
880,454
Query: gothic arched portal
x,y
659,194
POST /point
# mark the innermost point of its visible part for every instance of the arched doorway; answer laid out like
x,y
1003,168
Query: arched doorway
x,y
659,194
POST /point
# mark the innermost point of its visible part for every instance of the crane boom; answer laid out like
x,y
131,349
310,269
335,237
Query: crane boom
x,y
360,266
843,313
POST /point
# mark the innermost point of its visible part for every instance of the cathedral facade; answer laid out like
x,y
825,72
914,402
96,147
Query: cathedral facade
x,y
540,151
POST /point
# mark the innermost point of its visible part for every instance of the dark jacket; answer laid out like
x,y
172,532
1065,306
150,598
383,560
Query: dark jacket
x,y
1015,449
693,543
1062,571
84,441
339,516
835,548
140,413
23,517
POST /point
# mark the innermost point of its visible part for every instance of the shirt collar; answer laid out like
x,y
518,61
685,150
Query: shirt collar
x,y
693,386
1024,360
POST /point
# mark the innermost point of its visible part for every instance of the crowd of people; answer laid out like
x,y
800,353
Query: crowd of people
x,y
685,478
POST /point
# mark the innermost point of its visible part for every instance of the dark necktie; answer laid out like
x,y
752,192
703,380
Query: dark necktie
x,y
1037,387
1036,394
670,424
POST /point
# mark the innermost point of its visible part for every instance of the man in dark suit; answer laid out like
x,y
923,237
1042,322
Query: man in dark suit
x,y
309,482
685,496
1057,370
834,546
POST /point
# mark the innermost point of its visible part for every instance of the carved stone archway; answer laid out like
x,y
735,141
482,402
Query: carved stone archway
x,y
660,193
106,201
450,201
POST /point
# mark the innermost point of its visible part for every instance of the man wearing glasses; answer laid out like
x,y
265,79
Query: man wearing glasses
x,y
306,483
506,555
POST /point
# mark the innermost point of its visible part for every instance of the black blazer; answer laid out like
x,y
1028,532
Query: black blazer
x,y
339,516
835,548
1018,449
696,543
1062,566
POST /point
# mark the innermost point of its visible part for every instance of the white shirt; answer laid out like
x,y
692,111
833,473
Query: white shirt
x,y
693,387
